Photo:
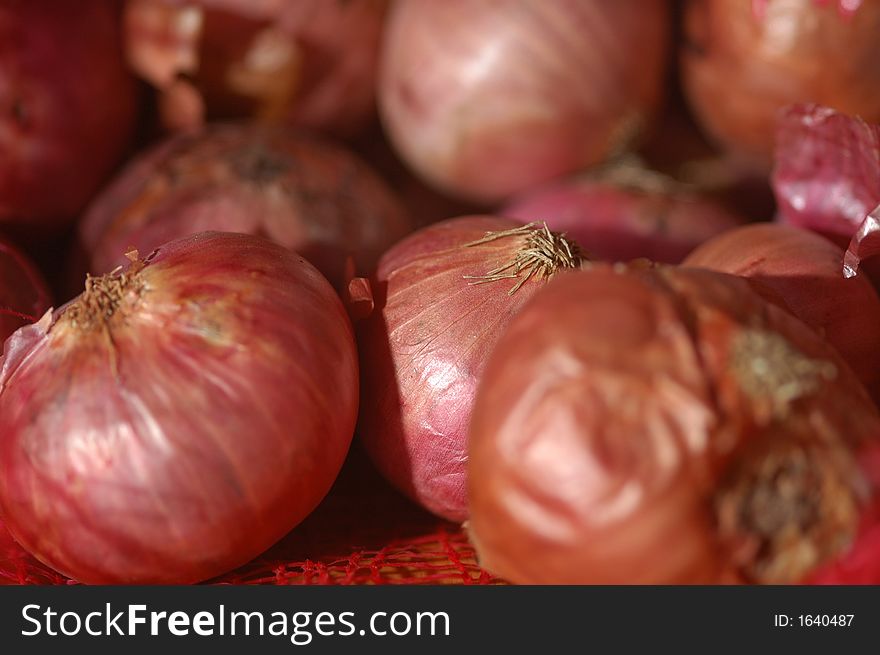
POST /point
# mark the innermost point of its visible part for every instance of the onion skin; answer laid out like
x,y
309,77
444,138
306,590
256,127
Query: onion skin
x,y
739,69
24,295
619,222
806,270
486,99
310,63
68,107
619,414
827,171
188,431
305,193
423,350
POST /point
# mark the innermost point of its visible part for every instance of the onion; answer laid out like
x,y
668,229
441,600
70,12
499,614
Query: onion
x,y
443,296
307,194
68,106
827,173
739,69
806,271
626,413
179,417
309,62
626,214
23,293
485,99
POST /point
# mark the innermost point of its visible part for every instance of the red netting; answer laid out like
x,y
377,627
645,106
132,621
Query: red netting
x,y
363,533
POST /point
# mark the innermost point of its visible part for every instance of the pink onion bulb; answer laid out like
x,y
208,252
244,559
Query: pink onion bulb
x,y
743,62
178,417
441,304
304,192
68,106
665,426
626,214
485,99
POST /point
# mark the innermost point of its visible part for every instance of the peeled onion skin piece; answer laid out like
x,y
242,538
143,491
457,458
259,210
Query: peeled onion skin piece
x,y
620,415
806,270
740,69
826,176
423,349
182,428
23,292
304,192
486,99
310,63
68,107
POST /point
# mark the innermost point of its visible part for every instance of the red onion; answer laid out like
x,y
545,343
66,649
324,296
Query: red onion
x,y
441,305
806,271
309,62
24,296
305,193
68,106
179,417
626,214
485,99
827,173
739,69
629,413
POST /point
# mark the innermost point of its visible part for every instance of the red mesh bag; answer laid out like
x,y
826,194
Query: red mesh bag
x,y
363,533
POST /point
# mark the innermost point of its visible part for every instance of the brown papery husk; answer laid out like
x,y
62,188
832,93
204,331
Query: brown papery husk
x,y
311,63
629,412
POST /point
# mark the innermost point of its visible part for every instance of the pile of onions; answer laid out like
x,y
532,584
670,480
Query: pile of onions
x,y
626,413
443,296
179,416
310,62
303,192
486,99
68,106
23,294
626,214
805,270
827,171
742,62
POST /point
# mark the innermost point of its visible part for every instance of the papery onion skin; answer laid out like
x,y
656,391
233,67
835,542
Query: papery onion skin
x,y
485,99
620,222
180,434
827,170
615,414
304,192
68,107
739,69
311,63
423,350
806,270
24,295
